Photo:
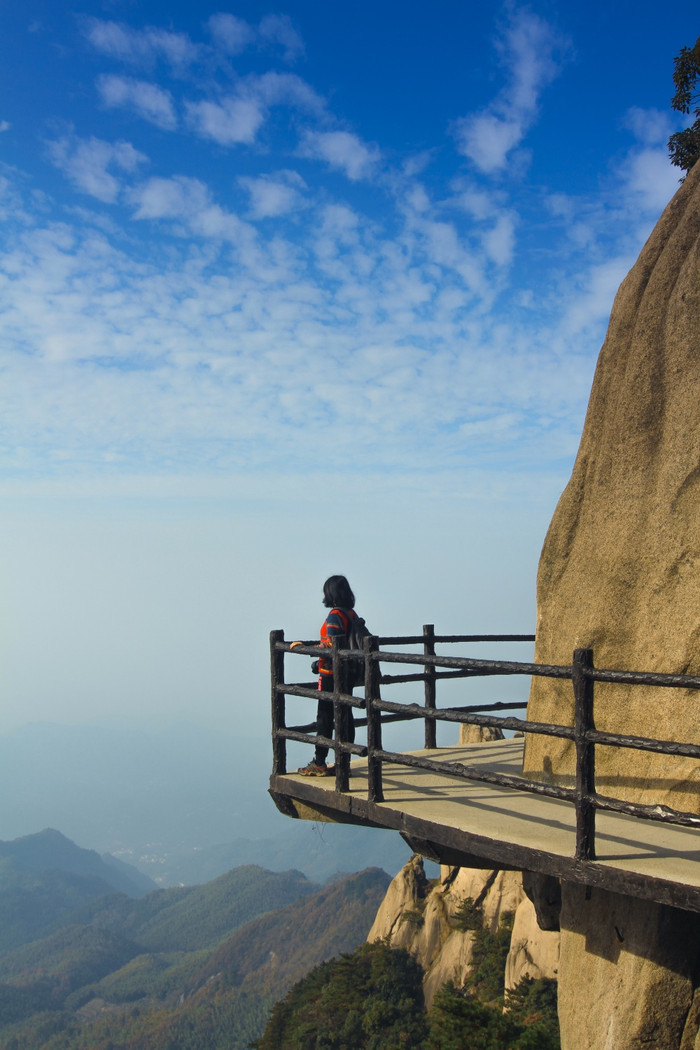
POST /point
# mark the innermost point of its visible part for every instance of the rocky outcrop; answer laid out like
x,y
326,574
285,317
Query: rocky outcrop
x,y
406,896
628,974
533,952
620,567
478,734
620,573
545,893
422,917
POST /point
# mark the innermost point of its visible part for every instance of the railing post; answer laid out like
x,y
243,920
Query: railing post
x,y
374,722
429,650
279,744
585,754
340,718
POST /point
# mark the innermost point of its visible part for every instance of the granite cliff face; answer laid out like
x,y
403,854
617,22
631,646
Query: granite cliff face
x,y
445,951
620,573
620,566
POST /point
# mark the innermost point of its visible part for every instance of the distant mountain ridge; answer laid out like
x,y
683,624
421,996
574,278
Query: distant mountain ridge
x,y
195,917
188,967
45,879
49,850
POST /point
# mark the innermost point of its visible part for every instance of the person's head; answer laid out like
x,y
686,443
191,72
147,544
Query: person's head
x,y
337,592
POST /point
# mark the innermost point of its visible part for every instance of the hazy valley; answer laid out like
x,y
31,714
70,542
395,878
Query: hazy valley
x,y
181,804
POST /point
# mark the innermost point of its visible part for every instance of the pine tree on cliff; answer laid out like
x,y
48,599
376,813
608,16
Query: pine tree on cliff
x,y
684,146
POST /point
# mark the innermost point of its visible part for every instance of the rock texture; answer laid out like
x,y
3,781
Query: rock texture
x,y
620,566
478,734
620,573
627,974
533,952
421,917
406,894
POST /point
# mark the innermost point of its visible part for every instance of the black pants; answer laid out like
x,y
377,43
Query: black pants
x,y
325,721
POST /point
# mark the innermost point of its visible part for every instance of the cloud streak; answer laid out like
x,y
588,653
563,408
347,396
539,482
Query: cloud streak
x,y
529,51
238,117
144,47
342,151
146,100
90,164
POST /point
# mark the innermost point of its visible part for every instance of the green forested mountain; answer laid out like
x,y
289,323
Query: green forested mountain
x,y
274,949
49,970
372,1000
251,955
45,879
49,850
192,917
34,904
190,967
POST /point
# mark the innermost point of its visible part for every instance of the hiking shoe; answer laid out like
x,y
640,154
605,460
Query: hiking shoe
x,y
314,770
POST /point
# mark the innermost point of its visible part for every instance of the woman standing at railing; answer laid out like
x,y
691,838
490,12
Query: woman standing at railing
x,y
338,597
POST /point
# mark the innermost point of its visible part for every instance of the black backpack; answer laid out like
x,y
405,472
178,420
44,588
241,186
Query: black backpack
x,y
356,631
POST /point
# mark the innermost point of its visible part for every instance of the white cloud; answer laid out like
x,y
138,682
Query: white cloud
x,y
416,164
528,50
487,139
342,222
417,199
229,122
278,29
343,151
172,198
209,357
499,241
285,89
590,306
272,196
238,117
5,125
87,163
188,203
475,202
651,127
149,101
649,175
529,46
142,47
230,34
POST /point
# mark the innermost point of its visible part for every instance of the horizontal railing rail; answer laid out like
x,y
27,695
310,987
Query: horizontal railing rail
x,y
380,712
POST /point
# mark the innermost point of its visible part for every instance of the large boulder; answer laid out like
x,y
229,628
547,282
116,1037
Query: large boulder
x,y
620,574
620,566
423,918
533,952
405,896
627,973
470,734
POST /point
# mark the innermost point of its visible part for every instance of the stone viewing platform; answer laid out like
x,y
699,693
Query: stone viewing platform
x,y
472,805
471,824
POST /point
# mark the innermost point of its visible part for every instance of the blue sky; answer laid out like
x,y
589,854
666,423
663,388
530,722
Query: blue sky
x,y
295,290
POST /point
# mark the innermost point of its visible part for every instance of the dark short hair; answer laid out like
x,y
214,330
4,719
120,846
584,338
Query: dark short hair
x,y
338,593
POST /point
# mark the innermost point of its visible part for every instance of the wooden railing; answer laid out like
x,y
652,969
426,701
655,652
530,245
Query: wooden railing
x,y
379,712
